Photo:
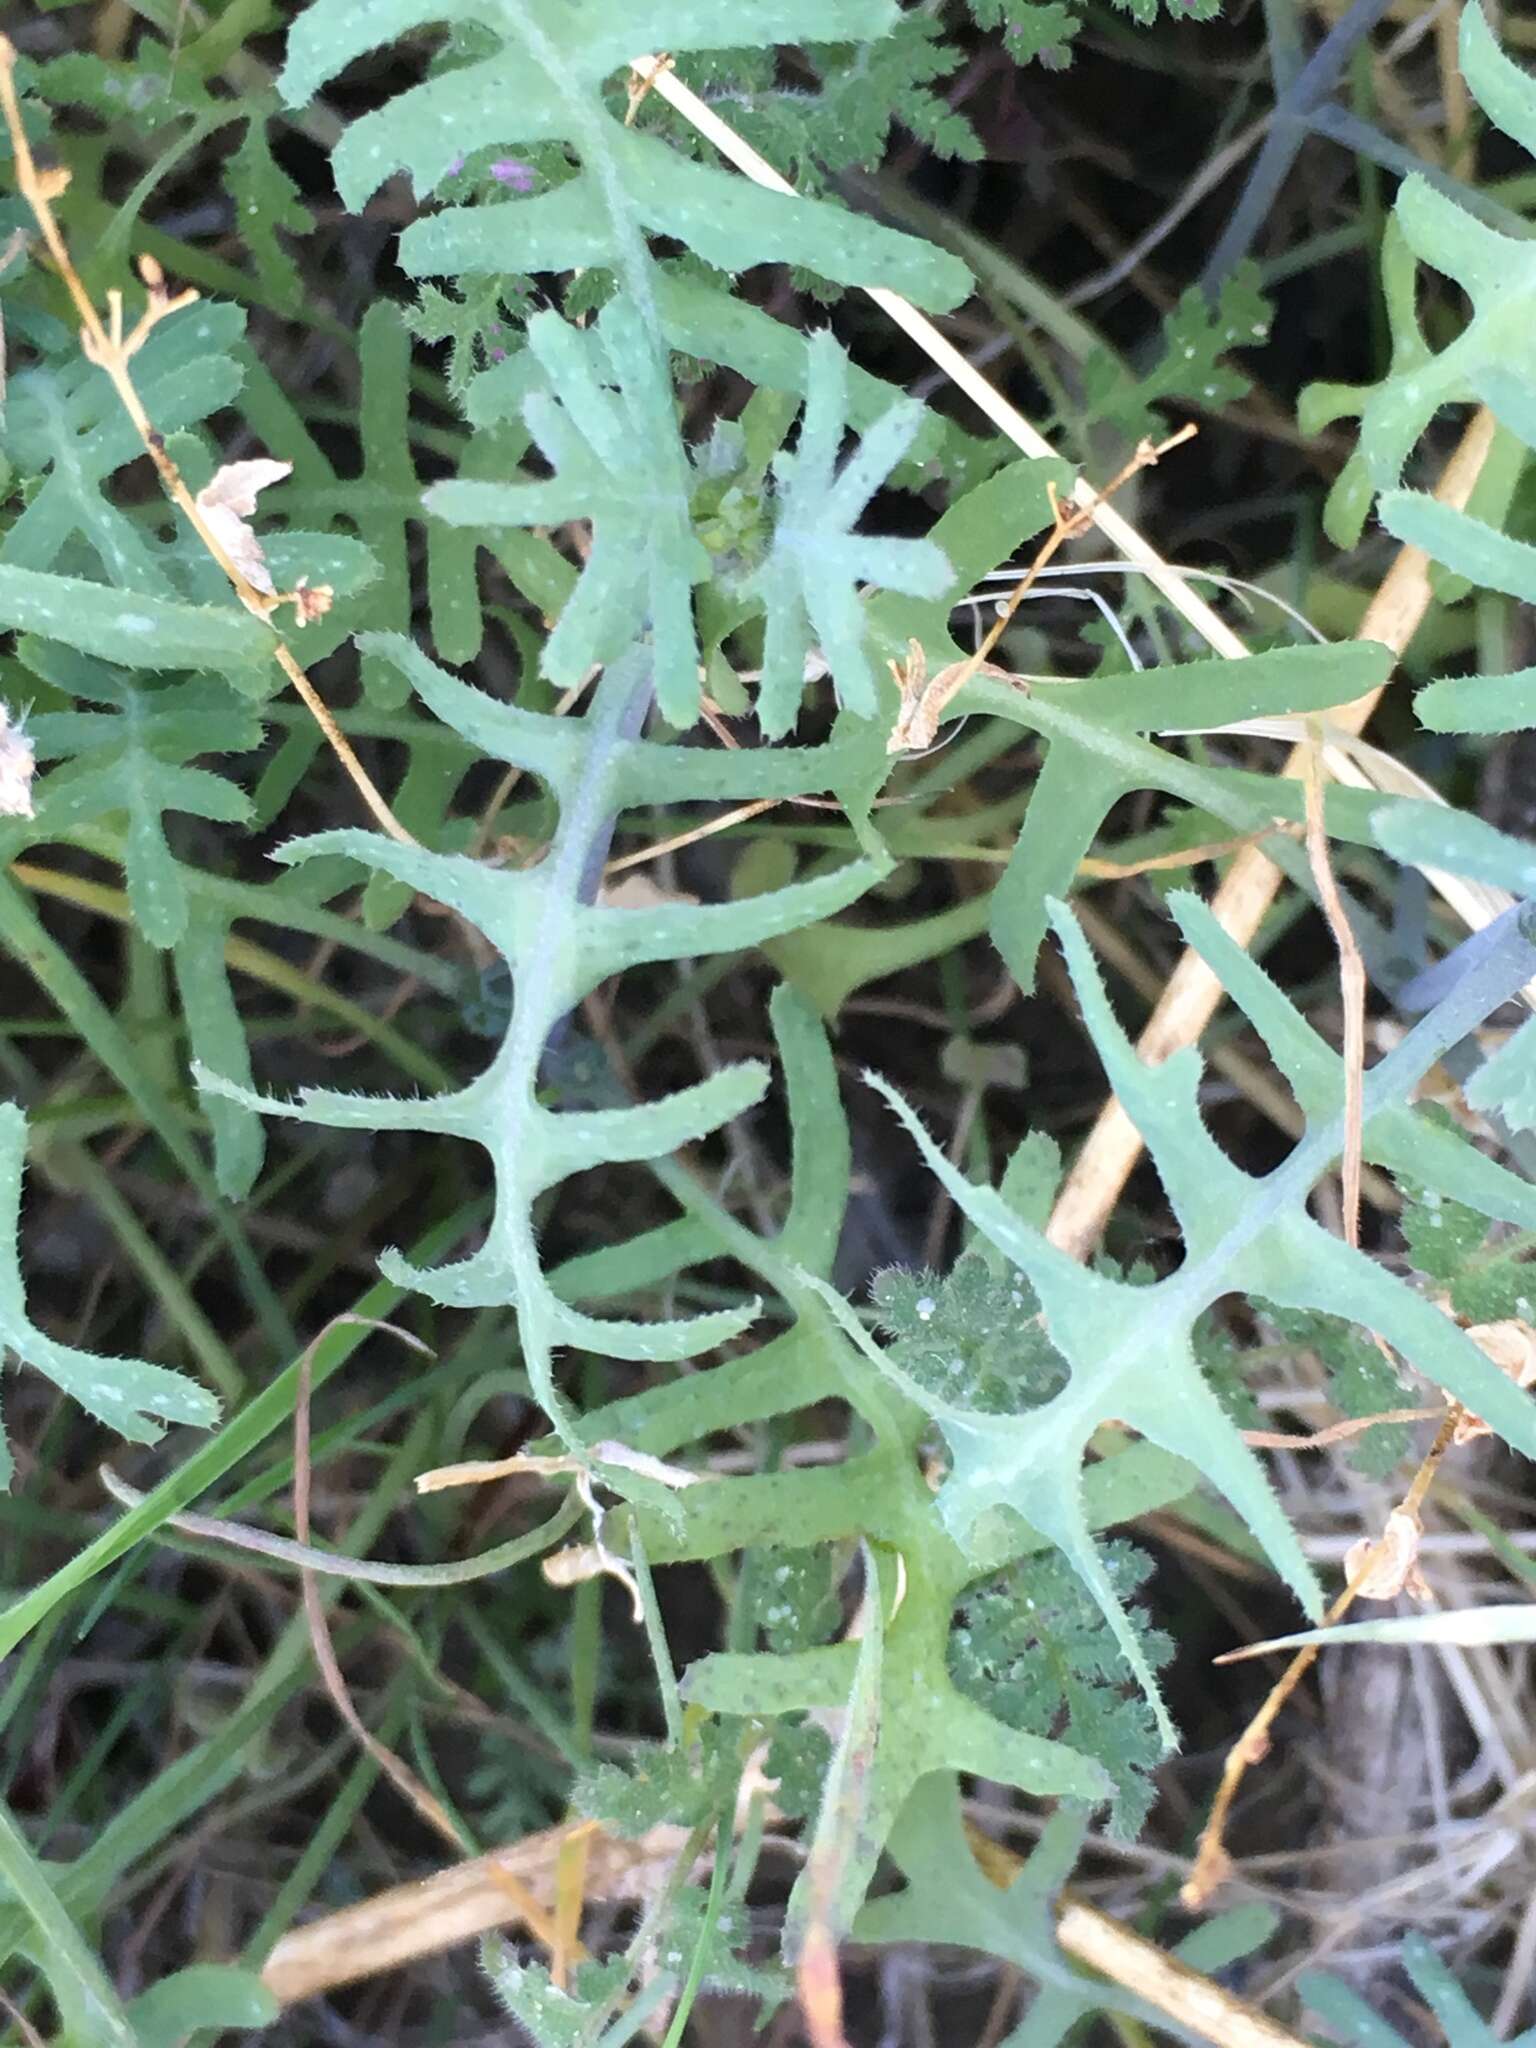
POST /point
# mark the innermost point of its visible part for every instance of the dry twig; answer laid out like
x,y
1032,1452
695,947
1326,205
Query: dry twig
x,y
1336,1432
1212,1863
923,699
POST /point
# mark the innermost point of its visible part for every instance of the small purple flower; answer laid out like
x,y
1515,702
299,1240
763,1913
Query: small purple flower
x,y
455,167
507,170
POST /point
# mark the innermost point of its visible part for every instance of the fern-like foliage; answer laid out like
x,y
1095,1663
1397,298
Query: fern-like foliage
x,y
1360,1381
975,1330
1032,1647
700,1942
165,86
840,110
1197,339
542,82
550,2016
840,113
599,402
559,944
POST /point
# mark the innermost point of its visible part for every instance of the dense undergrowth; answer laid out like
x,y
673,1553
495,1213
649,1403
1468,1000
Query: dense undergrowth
x,y
562,941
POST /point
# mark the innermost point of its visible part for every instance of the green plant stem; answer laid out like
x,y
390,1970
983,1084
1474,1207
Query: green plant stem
x,y
85,1992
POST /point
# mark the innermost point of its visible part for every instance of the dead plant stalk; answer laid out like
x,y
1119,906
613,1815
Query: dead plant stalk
x,y
457,1905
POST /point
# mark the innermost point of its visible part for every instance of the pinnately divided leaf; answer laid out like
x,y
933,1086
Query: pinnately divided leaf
x,y
816,562
1130,1350
543,82
559,945
606,426
136,758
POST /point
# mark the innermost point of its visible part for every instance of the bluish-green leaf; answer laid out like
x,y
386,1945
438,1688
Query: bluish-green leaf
x,y
810,581
138,631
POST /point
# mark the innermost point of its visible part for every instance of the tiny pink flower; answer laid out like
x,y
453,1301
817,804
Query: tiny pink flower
x,y
507,170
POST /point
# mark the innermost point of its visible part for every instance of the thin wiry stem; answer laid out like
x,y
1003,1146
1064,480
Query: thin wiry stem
x,y
1351,979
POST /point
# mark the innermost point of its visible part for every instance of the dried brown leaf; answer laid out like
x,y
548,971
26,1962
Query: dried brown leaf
x,y
924,697
1381,1568
1511,1344
227,501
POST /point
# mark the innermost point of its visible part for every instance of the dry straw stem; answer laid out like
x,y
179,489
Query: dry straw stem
x,y
1351,979
412,1921
1169,1986
106,345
